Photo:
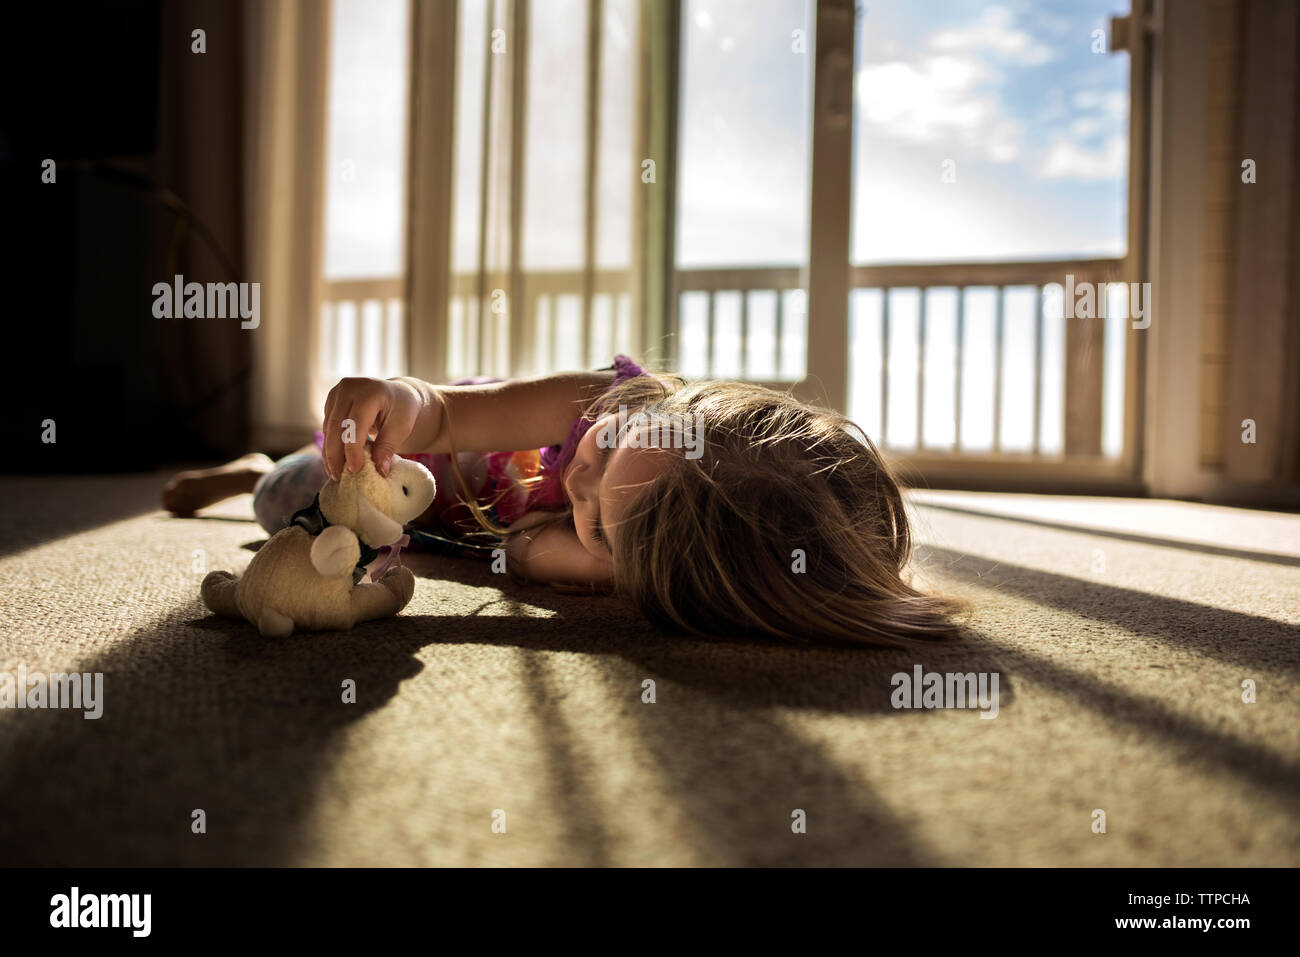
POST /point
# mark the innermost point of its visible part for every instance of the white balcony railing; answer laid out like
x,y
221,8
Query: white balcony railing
x,y
748,323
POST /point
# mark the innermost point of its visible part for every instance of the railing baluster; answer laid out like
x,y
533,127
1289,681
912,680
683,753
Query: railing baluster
x,y
960,366
997,373
554,328
467,332
397,337
370,361
541,331
709,359
469,329
1038,368
480,348
462,336
541,344
504,342
329,343
744,332
884,367
920,372
779,338
381,359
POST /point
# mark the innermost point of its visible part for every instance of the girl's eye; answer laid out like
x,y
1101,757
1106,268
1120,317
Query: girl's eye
x,y
596,533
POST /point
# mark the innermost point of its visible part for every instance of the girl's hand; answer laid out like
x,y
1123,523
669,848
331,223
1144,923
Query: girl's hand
x,y
390,409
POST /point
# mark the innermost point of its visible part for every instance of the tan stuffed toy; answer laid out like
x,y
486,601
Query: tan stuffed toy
x,y
307,577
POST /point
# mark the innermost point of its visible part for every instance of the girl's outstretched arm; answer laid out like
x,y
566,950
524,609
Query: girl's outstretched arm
x,y
543,549
410,415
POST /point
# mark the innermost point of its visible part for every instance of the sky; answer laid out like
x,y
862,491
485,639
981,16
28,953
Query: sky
x,y
1033,121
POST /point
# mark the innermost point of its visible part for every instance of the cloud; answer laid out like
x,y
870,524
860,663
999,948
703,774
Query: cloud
x,y
949,92
936,99
1111,103
1067,160
1092,146
1085,127
995,33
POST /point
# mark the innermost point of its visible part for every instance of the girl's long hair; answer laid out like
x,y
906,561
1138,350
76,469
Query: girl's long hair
x,y
789,524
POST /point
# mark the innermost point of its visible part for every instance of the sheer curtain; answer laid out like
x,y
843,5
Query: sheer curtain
x,y
286,61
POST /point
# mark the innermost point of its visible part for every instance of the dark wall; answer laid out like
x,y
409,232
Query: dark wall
x,y
108,91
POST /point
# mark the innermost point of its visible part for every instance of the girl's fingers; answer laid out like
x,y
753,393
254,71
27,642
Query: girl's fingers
x,y
362,415
332,449
394,429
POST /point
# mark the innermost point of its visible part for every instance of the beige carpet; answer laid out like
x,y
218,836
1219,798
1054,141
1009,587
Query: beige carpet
x,y
1121,651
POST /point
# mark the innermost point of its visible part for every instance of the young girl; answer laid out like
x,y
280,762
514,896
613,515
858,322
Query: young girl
x,y
723,508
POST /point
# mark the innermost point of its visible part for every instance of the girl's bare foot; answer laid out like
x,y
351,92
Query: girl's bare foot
x,y
187,492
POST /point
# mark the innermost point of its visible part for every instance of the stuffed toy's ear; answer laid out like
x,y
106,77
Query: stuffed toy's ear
x,y
376,527
335,551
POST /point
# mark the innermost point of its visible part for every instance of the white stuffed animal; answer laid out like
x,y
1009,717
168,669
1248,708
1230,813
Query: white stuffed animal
x,y
307,576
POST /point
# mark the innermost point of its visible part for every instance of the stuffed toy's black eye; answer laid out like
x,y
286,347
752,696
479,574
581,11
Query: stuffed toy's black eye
x,y
404,491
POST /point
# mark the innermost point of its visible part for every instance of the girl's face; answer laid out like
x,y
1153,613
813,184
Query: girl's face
x,y
600,482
